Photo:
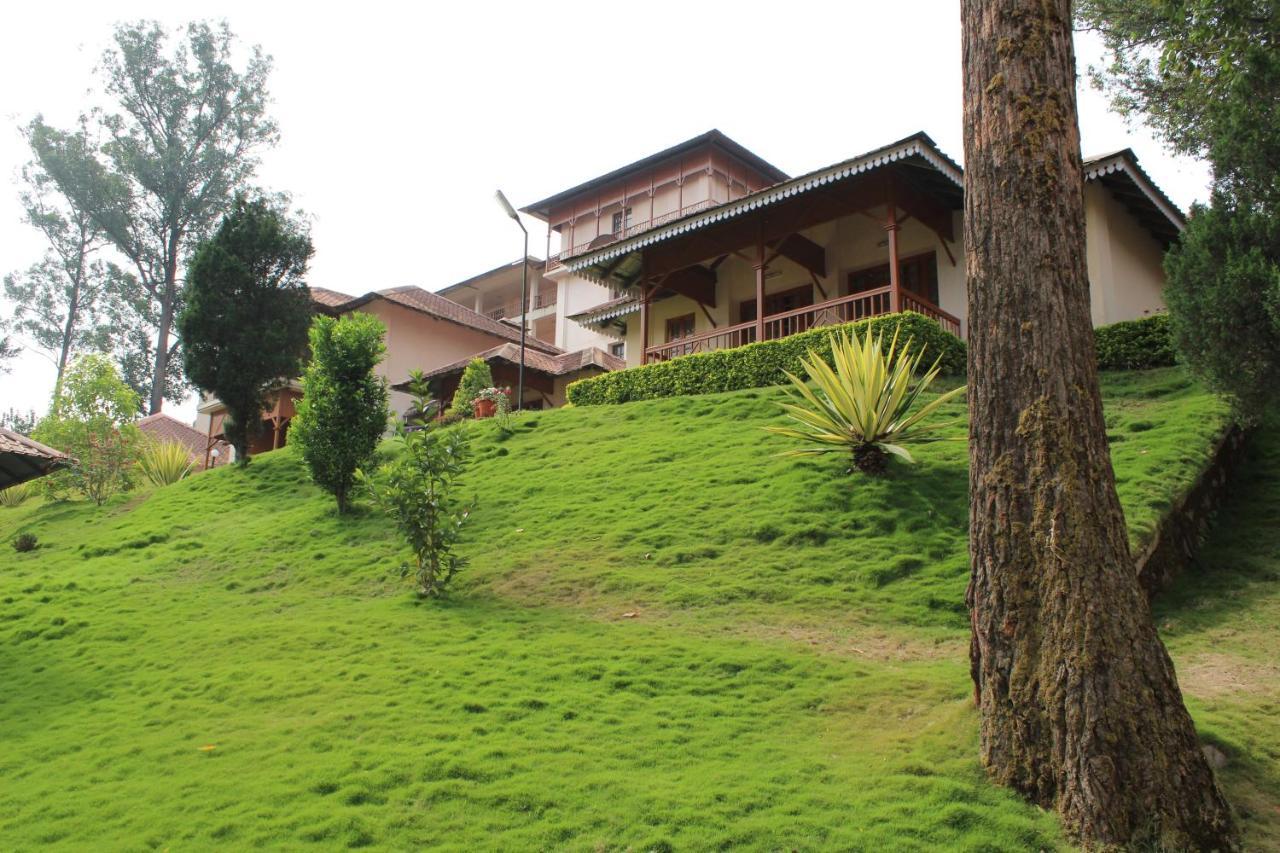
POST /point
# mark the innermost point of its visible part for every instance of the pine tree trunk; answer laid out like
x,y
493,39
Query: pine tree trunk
x,y
1080,707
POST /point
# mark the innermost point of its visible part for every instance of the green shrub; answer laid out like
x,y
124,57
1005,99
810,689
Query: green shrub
x,y
416,489
164,462
760,364
476,377
25,542
16,495
1135,344
343,410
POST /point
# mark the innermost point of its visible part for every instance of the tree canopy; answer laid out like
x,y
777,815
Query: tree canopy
x,y
247,312
182,139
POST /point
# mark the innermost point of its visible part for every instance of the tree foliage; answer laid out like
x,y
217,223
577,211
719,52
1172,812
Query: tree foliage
x,y
476,377
416,489
1224,301
343,410
92,421
244,327
1205,75
61,302
181,140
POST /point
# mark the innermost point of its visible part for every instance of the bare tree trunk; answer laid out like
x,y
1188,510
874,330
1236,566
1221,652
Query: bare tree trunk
x,y
1080,707
169,295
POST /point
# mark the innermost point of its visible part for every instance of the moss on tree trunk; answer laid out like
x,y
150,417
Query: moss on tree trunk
x,y
1080,707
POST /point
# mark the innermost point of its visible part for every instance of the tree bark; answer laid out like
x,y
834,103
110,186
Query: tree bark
x,y
1080,707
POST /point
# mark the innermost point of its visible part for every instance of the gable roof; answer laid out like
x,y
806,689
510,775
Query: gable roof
x,y
164,428
434,305
23,459
918,147
542,209
552,365
1120,173
1117,170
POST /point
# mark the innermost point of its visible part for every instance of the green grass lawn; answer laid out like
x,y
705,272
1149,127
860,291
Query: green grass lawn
x,y
668,638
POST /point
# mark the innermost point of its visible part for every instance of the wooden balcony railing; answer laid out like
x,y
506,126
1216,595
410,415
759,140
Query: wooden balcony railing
x,y
845,309
556,260
912,302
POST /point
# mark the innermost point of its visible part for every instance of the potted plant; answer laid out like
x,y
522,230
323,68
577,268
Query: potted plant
x,y
490,401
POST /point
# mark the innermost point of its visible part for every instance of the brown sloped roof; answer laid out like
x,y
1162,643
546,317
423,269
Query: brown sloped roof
x,y
551,365
324,298
23,459
431,304
161,427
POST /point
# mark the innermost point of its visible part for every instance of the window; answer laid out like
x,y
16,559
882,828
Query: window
x,y
621,220
679,328
619,349
917,274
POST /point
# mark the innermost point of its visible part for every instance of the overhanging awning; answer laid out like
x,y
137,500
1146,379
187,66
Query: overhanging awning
x,y
23,459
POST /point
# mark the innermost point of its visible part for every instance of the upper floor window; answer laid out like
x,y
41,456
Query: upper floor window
x,y
619,349
621,220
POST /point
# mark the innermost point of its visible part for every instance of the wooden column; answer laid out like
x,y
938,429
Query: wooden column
x,y
760,269
644,324
895,286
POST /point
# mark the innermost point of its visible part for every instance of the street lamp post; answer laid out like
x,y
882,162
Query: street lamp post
x,y
524,292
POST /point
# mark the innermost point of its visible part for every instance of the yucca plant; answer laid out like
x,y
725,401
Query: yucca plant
x,y
16,495
165,462
863,405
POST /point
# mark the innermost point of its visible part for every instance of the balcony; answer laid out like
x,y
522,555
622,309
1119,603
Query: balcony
x,y
845,309
512,308
557,260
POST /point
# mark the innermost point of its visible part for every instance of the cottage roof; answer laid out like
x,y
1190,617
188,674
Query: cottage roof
x,y
551,365
23,459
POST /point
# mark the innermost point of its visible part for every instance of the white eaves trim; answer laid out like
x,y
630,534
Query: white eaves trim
x,y
1120,162
910,148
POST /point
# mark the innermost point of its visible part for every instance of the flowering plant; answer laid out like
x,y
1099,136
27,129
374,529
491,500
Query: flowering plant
x,y
499,396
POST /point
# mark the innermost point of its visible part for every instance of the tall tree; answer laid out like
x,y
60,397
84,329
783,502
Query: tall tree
x,y
60,302
244,327
184,138
1080,707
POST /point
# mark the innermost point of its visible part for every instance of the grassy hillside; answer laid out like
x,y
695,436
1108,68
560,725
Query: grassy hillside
x,y
668,638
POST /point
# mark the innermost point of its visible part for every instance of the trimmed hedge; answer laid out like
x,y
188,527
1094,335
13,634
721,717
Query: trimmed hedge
x,y
759,364
1135,344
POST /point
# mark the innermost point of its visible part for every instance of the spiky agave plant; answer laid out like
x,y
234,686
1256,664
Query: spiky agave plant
x,y
16,495
863,405
165,462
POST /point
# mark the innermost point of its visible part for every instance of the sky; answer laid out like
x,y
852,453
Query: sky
x,y
399,120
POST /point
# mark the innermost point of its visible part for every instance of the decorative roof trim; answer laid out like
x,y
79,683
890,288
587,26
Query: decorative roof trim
x,y
919,145
1127,162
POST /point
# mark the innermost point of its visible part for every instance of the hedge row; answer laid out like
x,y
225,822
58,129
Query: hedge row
x,y
1135,344
759,364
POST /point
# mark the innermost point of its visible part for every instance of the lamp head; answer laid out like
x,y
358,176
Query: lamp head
x,y
506,205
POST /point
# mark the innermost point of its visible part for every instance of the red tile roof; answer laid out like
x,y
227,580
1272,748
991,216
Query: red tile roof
x,y
552,365
327,298
163,428
437,306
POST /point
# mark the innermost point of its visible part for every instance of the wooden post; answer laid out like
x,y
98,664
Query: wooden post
x,y
760,268
644,324
891,226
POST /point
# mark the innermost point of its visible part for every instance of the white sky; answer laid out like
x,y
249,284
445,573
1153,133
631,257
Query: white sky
x,y
398,121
